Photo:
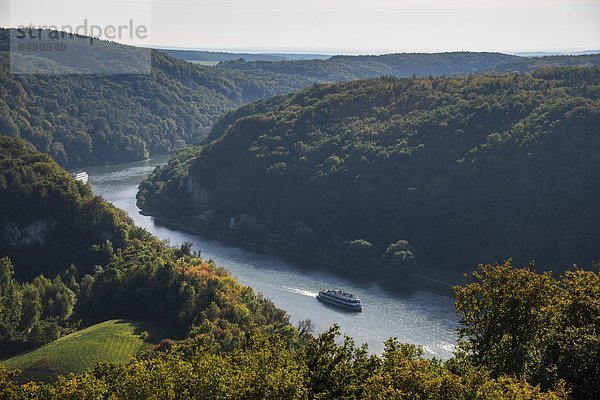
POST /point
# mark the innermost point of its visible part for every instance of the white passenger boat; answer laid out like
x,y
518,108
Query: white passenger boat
x,y
81,176
340,299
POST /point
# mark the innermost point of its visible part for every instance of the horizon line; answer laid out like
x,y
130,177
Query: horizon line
x,y
358,52
331,51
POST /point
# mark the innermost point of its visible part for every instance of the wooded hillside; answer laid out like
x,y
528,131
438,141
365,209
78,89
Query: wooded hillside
x,y
468,170
89,119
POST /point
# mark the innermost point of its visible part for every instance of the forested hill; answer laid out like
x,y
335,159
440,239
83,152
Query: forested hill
x,y
68,257
468,170
98,119
344,68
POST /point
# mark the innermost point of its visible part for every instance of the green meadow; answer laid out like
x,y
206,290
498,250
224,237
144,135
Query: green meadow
x,y
110,341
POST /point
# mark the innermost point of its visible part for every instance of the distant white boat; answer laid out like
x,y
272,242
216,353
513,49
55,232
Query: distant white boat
x,y
341,299
80,176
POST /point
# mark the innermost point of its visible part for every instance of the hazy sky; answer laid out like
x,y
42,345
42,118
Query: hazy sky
x,y
349,26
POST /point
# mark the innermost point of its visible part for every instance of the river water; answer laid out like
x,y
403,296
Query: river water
x,y
413,316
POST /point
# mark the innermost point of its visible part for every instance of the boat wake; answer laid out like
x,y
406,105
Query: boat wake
x,y
303,292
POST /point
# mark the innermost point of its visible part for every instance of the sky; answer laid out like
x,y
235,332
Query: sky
x,y
331,26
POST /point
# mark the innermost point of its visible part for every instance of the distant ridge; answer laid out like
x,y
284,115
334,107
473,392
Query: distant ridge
x,y
219,56
554,53
345,68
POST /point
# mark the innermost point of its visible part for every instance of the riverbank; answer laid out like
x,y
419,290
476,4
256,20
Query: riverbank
x,y
427,279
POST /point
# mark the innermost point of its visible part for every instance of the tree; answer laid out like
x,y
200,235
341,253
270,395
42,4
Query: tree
x,y
574,348
288,231
533,326
11,302
32,306
400,257
336,370
357,253
508,315
305,328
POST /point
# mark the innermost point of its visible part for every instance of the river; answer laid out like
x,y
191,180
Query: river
x,y
413,316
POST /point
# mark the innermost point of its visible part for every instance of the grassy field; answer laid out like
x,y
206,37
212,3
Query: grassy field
x,y
111,341
205,63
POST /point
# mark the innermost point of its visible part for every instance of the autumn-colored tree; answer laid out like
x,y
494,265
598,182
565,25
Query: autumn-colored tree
x,y
533,326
